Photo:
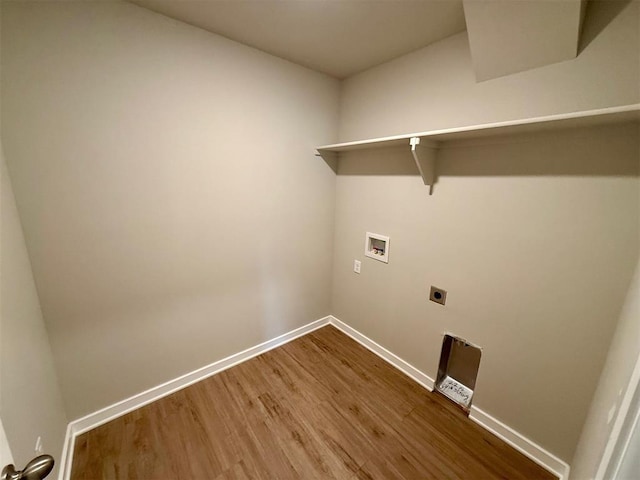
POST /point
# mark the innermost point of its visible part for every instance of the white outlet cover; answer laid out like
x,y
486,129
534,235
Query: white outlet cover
x,y
357,265
39,448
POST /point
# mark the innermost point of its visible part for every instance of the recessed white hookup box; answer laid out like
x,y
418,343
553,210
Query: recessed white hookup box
x,y
377,247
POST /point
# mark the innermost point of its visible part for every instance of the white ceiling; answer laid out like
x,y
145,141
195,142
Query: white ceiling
x,y
337,37
344,37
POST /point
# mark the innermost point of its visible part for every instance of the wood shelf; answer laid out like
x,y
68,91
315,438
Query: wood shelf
x,y
424,146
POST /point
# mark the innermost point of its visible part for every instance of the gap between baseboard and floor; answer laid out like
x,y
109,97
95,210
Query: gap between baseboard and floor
x,y
518,441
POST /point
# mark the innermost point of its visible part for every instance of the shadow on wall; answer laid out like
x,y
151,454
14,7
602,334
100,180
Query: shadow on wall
x,y
598,15
567,153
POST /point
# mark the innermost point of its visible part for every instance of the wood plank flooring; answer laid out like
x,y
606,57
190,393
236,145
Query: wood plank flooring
x,y
320,407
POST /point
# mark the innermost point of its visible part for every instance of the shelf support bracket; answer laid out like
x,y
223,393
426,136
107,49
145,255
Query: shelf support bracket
x,y
331,159
425,155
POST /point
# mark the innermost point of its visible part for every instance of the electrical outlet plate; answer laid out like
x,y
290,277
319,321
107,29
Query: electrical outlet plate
x,y
438,295
39,449
357,265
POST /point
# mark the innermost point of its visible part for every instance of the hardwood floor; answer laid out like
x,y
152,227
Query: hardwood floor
x,y
320,407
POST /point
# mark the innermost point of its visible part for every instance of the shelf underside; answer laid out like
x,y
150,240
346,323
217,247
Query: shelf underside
x,y
612,115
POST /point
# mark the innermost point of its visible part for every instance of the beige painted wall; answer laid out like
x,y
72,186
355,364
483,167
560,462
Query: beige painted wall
x,y
435,87
30,400
612,387
535,240
6,456
172,204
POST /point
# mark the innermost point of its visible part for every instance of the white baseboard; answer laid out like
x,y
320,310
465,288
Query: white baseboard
x,y
521,443
516,440
409,370
93,420
66,459
617,444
